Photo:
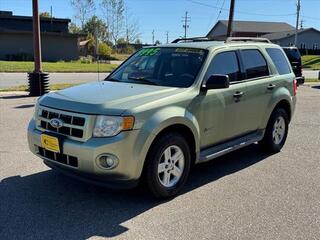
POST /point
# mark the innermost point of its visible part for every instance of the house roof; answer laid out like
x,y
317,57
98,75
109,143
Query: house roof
x,y
286,34
257,27
9,15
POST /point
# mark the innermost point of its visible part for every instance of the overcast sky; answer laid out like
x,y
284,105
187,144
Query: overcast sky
x,y
166,15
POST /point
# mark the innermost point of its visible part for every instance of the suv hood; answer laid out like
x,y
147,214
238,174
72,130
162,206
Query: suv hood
x,y
109,98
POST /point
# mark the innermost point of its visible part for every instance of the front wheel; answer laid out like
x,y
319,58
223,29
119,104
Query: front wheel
x,y
276,131
168,165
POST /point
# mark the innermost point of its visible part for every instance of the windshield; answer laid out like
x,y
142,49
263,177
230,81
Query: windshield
x,y
163,66
293,54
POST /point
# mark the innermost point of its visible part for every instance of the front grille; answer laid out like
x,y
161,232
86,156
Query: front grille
x,y
58,157
73,125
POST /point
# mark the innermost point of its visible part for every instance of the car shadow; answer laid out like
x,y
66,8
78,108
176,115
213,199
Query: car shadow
x,y
15,96
48,205
316,87
25,106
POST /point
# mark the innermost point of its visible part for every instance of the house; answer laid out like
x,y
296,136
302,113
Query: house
x,y
308,39
248,29
16,39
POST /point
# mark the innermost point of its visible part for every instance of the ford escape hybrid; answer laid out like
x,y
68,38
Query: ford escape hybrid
x,y
165,109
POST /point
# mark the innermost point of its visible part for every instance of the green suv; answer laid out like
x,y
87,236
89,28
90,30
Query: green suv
x,y
165,109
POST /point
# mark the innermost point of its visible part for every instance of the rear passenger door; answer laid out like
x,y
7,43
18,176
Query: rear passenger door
x,y
260,84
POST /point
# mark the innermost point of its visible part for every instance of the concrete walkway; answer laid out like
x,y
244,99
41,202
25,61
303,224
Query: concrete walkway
x,y
8,80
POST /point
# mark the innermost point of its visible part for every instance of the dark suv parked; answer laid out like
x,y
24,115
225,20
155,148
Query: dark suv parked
x,y
294,57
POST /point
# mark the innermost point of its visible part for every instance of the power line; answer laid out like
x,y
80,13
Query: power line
x,y
221,9
241,12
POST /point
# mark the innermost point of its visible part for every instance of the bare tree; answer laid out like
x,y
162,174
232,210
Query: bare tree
x,y
84,9
114,16
132,28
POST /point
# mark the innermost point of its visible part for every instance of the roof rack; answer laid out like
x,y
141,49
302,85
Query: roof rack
x,y
247,39
194,39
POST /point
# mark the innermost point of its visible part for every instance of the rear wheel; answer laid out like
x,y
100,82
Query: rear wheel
x,y
276,131
168,165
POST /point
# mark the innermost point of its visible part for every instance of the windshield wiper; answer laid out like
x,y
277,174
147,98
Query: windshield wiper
x,y
142,79
112,79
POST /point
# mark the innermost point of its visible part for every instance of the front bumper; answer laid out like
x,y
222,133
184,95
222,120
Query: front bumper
x,y
126,146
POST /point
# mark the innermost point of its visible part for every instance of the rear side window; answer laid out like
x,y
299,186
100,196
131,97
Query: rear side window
x,y
225,63
279,60
254,63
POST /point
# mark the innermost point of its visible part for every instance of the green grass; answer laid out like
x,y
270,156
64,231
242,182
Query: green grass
x,y
311,61
53,87
76,66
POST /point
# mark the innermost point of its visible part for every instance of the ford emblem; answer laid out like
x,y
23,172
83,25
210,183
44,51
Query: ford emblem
x,y
56,123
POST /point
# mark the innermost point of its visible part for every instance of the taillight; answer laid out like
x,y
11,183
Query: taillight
x,y
295,86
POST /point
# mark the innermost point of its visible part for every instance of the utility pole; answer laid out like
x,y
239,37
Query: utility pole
x,y
230,22
38,81
185,25
297,23
152,37
167,34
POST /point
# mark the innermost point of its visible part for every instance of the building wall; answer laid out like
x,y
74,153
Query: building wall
x,y
308,39
54,47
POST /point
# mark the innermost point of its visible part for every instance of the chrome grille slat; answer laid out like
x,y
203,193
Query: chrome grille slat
x,y
73,129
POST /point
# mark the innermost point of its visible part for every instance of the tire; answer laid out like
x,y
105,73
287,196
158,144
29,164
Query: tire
x,y
164,159
276,132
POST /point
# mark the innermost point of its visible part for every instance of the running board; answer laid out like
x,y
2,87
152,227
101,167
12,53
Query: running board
x,y
219,150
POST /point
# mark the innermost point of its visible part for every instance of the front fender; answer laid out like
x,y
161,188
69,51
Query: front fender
x,y
160,120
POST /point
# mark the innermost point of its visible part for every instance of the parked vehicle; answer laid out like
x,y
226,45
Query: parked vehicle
x,y
294,57
165,109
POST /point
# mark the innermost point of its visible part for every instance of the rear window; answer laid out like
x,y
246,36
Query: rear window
x,y
293,54
280,60
254,63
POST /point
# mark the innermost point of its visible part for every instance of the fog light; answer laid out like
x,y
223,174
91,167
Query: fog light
x,y
107,161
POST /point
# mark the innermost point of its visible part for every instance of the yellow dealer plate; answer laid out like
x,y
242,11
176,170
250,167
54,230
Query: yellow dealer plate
x,y
50,143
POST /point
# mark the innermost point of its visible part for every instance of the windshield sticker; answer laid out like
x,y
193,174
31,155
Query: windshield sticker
x,y
149,51
190,50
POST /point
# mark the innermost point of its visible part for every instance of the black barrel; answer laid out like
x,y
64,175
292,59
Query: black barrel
x,y
38,83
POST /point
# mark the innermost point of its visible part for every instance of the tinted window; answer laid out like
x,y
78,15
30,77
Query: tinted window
x,y
254,64
293,54
225,63
279,60
174,67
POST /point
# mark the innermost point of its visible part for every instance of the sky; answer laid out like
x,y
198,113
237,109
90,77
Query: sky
x,y
166,15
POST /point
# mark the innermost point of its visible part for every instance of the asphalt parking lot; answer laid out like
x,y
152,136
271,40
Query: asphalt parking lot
x,y
244,195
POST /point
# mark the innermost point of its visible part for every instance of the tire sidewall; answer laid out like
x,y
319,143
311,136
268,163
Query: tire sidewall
x,y
153,159
269,138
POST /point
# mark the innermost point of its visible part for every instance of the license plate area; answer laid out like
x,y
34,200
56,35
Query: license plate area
x,y
50,143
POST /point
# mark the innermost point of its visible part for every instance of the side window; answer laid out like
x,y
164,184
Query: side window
x,y
280,60
225,63
254,63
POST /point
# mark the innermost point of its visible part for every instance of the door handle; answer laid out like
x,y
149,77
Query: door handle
x,y
238,94
271,86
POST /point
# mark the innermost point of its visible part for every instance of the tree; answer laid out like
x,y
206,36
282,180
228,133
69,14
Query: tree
x,y
45,14
104,49
114,16
157,42
132,28
97,28
74,28
84,9
91,44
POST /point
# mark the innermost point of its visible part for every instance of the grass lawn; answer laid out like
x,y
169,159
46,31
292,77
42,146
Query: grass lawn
x,y
53,87
311,61
11,66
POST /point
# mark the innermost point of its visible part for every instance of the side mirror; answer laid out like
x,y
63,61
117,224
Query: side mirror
x,y
216,81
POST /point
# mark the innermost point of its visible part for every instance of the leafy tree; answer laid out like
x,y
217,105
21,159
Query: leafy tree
x,y
45,14
91,44
84,9
104,49
97,28
157,42
74,28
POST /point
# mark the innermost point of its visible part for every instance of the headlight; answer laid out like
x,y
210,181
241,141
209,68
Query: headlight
x,y
108,126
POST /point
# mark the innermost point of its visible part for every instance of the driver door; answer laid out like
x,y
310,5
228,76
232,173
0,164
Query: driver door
x,y
221,108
